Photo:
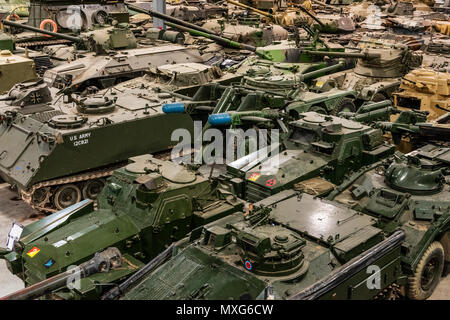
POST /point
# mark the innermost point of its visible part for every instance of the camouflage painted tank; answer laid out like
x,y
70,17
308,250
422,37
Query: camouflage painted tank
x,y
291,246
320,151
424,90
411,193
373,78
144,207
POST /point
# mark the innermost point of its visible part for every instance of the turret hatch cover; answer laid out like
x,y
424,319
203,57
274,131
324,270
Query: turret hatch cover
x,y
168,170
314,117
66,121
353,125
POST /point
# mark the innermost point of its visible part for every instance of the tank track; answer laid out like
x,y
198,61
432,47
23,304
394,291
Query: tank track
x,y
51,185
41,43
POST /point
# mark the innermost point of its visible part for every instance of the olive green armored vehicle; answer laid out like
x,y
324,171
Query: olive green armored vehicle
x,y
111,55
296,246
373,78
320,151
144,207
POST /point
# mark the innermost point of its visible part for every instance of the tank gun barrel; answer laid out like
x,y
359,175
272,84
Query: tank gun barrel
x,y
101,262
374,111
236,118
323,71
361,55
222,41
169,19
43,31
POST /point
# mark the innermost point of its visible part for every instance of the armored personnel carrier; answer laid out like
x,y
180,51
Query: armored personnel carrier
x,y
299,247
144,207
424,90
320,150
55,153
373,78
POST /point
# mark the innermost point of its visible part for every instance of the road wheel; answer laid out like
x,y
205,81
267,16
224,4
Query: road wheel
x,y
427,274
345,105
66,195
92,188
379,96
40,196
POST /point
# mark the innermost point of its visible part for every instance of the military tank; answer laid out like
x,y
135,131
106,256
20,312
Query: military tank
x,y
424,90
291,246
319,152
144,206
372,79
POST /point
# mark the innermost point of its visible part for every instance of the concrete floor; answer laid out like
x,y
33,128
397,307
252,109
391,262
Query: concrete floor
x,y
12,209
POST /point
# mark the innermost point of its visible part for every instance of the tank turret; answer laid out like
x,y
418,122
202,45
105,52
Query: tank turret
x,y
28,93
377,73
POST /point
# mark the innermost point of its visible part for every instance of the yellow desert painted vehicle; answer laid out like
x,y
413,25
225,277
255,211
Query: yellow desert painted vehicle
x,y
425,90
